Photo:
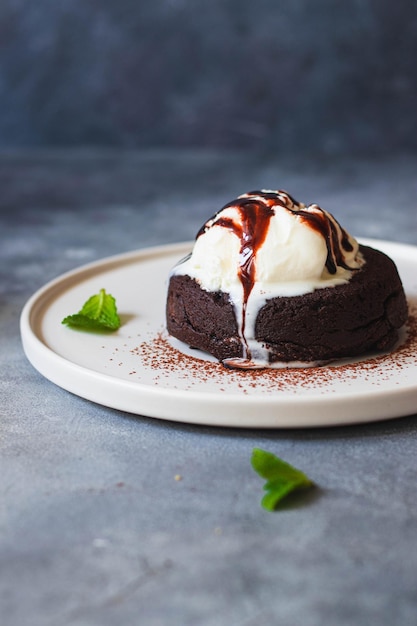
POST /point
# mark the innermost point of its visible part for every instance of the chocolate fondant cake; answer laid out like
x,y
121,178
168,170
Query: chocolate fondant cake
x,y
314,296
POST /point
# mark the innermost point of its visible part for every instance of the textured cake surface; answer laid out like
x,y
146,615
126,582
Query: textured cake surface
x,y
351,319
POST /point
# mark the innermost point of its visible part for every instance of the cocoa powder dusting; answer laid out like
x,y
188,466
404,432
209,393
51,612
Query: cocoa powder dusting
x,y
158,355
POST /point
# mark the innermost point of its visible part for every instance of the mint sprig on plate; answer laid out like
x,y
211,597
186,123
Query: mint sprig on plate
x,y
97,314
282,478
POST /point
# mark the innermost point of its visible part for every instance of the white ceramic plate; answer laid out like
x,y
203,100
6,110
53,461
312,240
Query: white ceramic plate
x,y
137,370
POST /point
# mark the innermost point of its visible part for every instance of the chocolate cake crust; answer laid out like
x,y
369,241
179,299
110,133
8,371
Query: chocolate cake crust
x,y
358,317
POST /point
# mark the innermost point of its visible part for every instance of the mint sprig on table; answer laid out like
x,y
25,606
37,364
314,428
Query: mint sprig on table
x,y
98,313
282,478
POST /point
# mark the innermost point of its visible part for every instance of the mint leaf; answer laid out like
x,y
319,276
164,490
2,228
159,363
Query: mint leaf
x,y
282,478
98,313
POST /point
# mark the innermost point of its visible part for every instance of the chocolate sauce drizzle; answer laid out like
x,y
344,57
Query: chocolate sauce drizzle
x,y
255,211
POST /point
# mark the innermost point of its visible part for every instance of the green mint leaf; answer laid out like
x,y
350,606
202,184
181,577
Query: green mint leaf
x,y
98,313
282,478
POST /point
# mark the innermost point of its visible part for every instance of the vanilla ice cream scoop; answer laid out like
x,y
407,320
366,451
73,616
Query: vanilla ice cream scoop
x,y
269,239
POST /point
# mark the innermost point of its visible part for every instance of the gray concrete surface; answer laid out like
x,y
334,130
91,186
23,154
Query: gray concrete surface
x,y
94,528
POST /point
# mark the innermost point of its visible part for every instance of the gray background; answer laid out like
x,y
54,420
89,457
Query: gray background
x,y
125,124
276,76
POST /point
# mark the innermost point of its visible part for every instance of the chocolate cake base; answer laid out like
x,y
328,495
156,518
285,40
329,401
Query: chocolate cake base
x,y
361,316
